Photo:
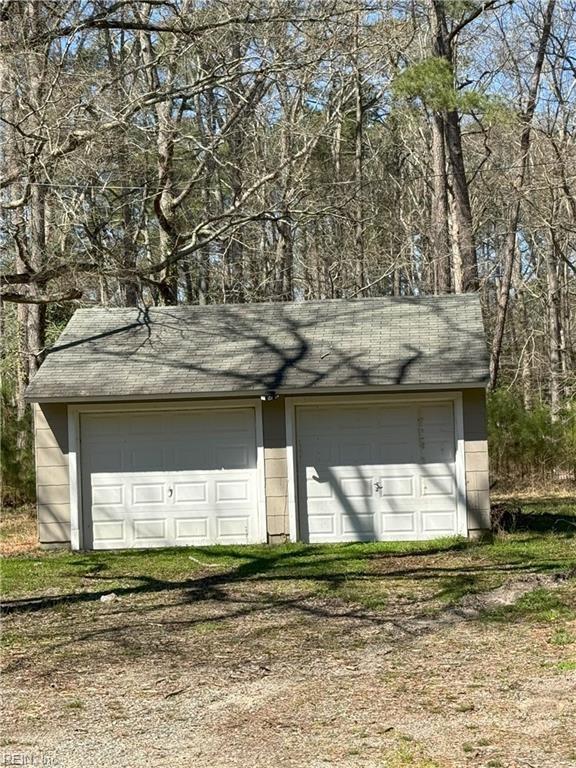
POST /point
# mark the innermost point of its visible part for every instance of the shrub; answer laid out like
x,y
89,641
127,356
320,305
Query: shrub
x,y
530,443
17,455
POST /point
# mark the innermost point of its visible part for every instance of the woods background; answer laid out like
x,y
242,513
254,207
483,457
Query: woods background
x,y
198,151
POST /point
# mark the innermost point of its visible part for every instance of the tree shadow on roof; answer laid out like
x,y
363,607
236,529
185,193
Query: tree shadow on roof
x,y
255,347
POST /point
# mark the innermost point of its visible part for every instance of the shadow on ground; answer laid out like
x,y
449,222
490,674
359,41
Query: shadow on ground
x,y
309,571
547,515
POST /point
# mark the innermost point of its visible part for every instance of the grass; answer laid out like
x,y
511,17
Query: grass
x,y
408,753
549,506
541,605
18,530
566,666
70,571
408,636
75,704
562,637
432,575
551,511
436,573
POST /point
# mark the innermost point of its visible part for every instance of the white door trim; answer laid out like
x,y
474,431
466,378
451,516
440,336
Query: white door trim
x,y
261,472
291,459
75,451
292,403
74,475
460,466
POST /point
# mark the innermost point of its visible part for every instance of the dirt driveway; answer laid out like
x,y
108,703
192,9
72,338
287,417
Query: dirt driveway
x,y
266,672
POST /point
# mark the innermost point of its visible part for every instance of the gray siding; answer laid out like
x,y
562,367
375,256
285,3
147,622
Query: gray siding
x,y
52,480
276,470
476,453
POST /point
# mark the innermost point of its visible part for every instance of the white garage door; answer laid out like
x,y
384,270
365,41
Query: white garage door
x,y
382,472
170,478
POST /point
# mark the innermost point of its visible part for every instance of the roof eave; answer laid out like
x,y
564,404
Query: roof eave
x,y
288,391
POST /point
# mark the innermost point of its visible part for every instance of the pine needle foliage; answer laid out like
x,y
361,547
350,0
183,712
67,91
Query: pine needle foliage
x,y
530,444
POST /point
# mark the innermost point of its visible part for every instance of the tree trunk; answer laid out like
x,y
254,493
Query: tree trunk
x,y
131,286
555,330
168,238
235,249
358,161
15,219
513,218
203,282
462,210
285,258
37,210
439,213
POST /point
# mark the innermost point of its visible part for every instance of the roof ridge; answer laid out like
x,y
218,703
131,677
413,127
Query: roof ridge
x,y
306,302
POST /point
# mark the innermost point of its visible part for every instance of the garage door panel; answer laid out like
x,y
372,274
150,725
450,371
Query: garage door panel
x,y
438,452
320,453
147,483
190,492
357,487
438,485
436,434
144,494
228,491
397,485
192,529
105,458
399,522
240,419
436,416
321,525
233,457
104,513
234,529
108,495
318,419
352,453
109,532
439,523
319,490
403,504
143,458
144,530
361,524
395,416
390,475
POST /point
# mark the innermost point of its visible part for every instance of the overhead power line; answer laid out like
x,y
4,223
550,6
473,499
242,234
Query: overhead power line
x,y
422,177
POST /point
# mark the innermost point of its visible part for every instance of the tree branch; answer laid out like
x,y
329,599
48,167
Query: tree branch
x,y
54,298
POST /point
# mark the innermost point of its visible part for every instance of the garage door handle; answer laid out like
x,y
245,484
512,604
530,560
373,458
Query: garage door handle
x,y
378,486
170,492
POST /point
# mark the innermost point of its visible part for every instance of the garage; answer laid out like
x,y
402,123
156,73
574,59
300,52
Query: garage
x,y
167,478
331,421
378,471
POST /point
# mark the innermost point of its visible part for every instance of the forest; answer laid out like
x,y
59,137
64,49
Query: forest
x,y
211,151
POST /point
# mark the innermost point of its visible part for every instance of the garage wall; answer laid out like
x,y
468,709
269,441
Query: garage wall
x,y
52,486
52,483
476,452
276,468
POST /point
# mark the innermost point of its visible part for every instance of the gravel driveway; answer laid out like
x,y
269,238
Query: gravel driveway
x,y
243,677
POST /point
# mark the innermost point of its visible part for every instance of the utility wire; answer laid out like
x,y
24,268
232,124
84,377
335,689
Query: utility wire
x,y
424,177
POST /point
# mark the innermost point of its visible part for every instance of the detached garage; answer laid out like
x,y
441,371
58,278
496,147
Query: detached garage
x,y
332,421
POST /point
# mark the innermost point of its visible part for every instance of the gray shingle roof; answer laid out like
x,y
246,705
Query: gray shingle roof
x,y
189,350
